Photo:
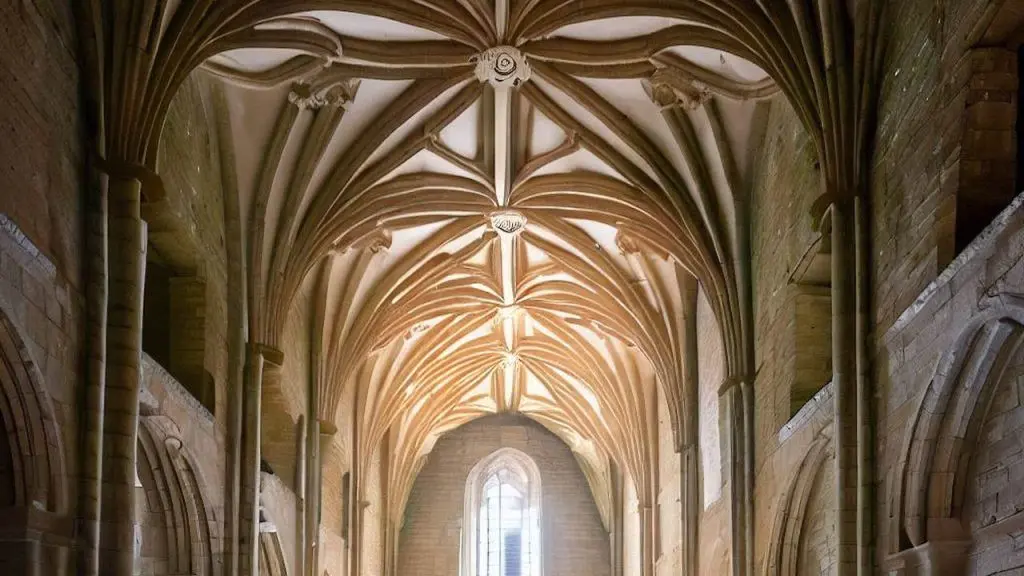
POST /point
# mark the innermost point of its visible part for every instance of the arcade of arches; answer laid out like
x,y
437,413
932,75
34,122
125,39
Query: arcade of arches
x,y
511,287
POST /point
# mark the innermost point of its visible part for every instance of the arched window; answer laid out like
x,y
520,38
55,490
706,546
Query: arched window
x,y
501,535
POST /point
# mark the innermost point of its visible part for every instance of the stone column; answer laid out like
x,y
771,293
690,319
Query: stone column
x,y
865,397
730,401
322,434
90,473
647,534
259,359
844,380
689,492
616,540
123,376
312,516
302,502
687,438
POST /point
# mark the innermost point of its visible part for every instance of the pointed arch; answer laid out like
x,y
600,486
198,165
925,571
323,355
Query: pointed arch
x,y
784,555
174,497
525,475
33,449
927,503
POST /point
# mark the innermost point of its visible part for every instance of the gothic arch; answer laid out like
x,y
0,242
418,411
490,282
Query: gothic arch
x,y
174,493
524,466
784,556
927,504
32,448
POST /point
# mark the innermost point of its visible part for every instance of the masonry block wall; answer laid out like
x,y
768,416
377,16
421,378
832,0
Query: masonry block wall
x,y
783,237
941,170
187,228
574,540
41,129
952,367
41,307
916,172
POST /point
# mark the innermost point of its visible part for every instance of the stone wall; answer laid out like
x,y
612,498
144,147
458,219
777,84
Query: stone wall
x,y
337,460
916,172
187,234
786,183
41,130
714,544
41,198
573,538
950,390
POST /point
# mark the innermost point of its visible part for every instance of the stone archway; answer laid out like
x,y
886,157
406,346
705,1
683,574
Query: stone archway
x,y
32,462
787,532
938,477
175,521
34,534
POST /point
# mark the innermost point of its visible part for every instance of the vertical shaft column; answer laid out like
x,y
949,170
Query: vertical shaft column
x,y
90,473
687,438
312,519
302,501
729,397
123,376
248,550
865,436
616,540
647,534
689,508
844,381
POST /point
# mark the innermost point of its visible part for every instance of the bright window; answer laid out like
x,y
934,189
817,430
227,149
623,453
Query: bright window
x,y
502,536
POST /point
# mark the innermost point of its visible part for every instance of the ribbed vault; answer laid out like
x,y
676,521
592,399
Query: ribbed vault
x,y
496,205
495,217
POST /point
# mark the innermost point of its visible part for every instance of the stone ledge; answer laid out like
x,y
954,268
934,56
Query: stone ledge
x,y
175,388
983,242
822,399
36,262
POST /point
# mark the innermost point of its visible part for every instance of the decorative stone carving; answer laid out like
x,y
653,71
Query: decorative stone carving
x,y
338,95
668,88
508,222
173,444
502,66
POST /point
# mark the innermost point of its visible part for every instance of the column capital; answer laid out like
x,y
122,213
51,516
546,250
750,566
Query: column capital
x,y
152,186
269,353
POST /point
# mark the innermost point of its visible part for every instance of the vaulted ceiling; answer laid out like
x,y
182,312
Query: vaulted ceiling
x,y
493,212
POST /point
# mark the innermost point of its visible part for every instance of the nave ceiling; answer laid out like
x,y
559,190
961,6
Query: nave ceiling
x,y
494,206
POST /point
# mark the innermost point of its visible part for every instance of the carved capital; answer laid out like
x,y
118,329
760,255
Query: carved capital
x,y
502,66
